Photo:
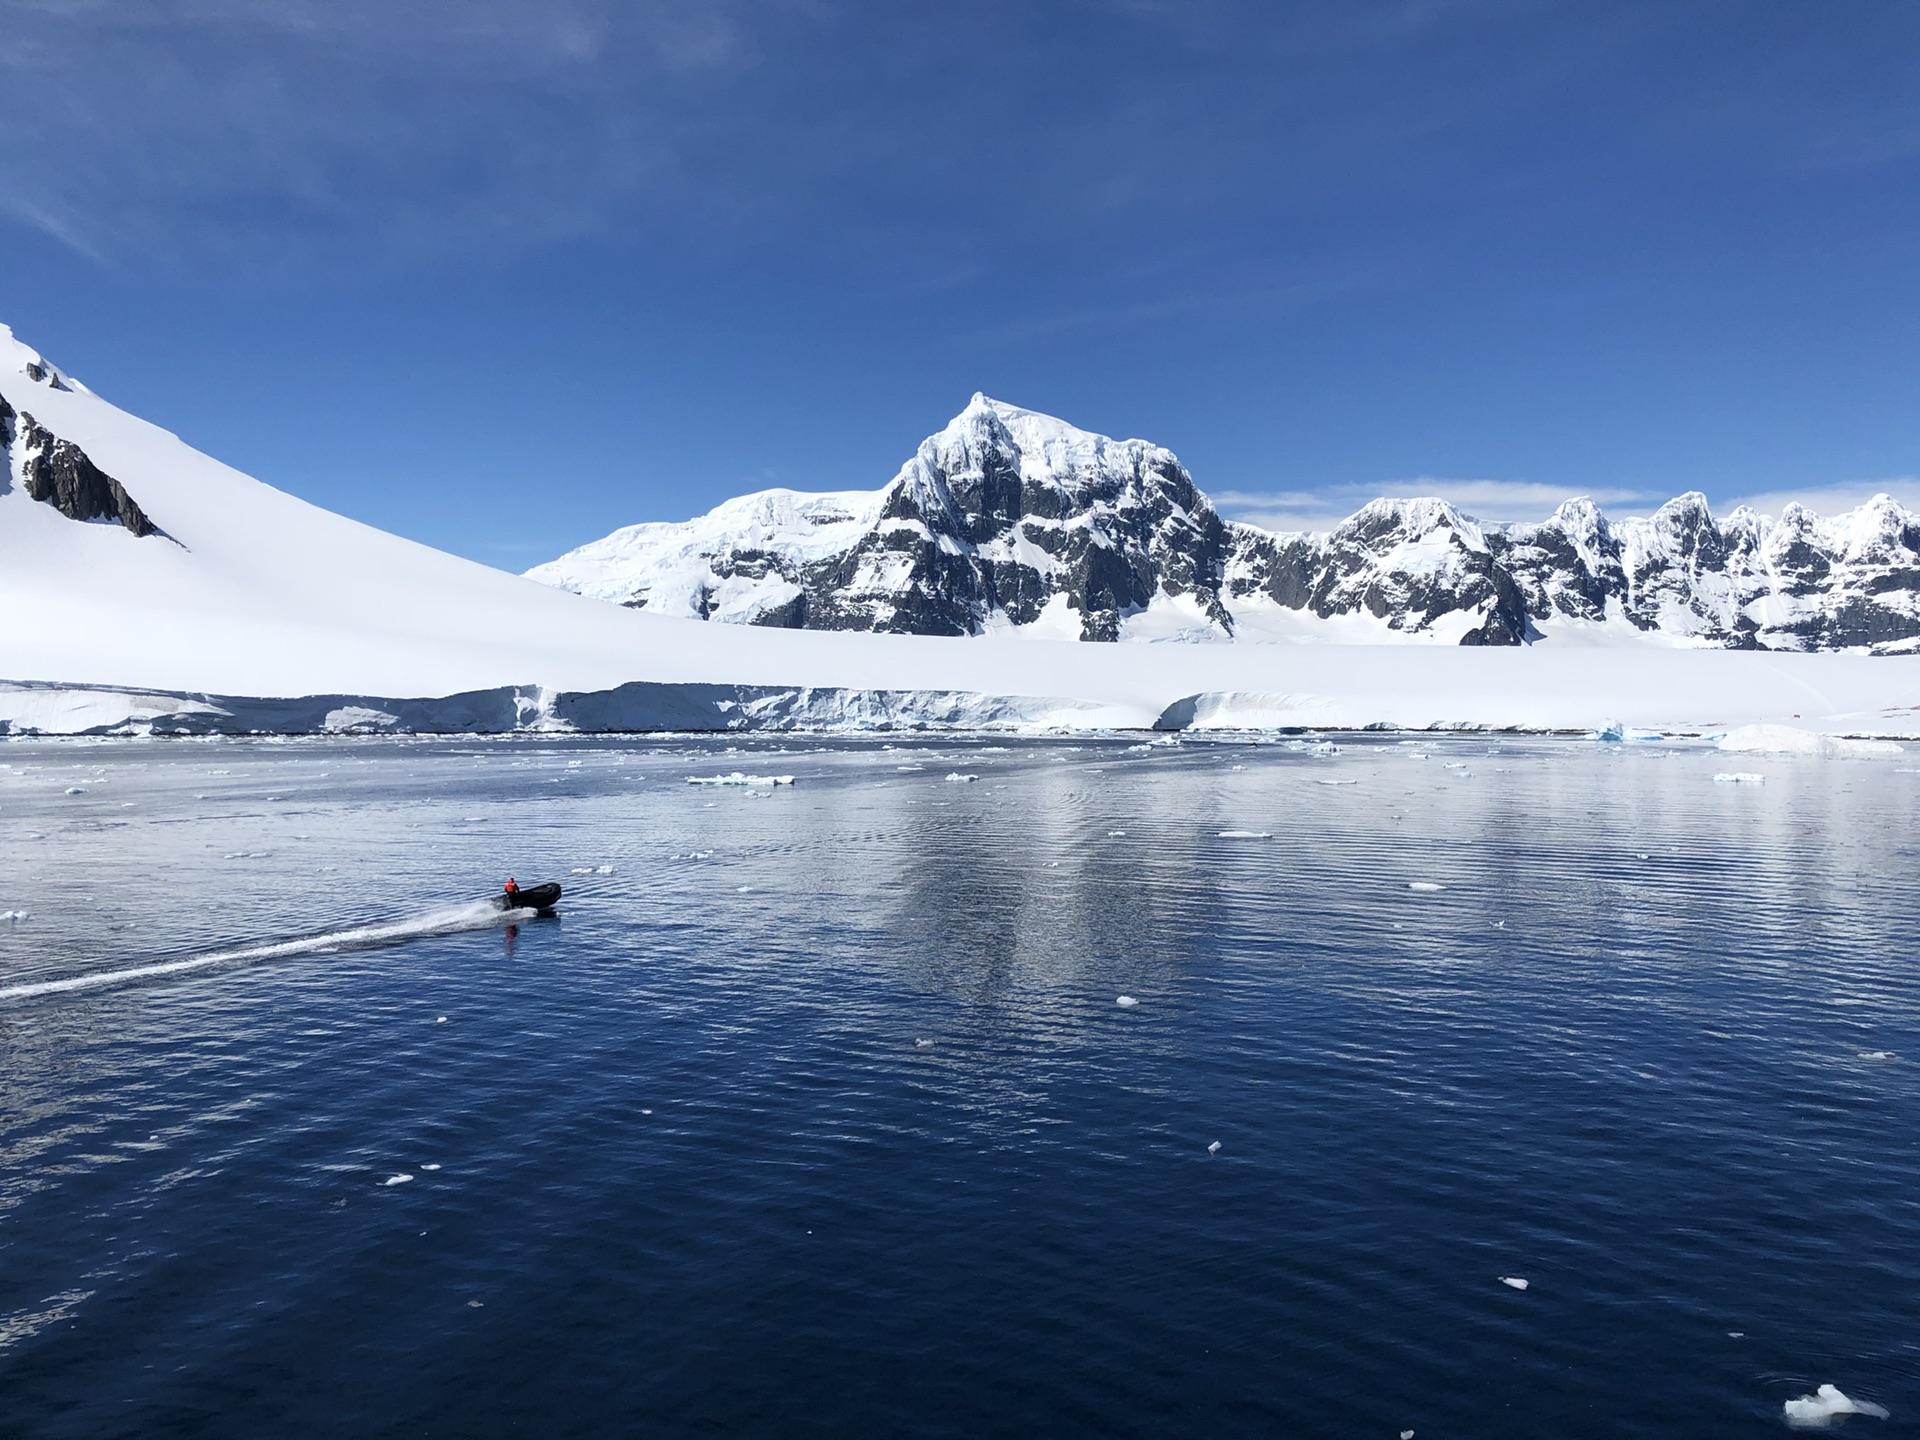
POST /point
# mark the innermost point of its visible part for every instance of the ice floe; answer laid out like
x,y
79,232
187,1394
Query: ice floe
x,y
738,778
1827,1404
397,1179
1426,887
12,915
1246,835
1514,1280
1739,777
1214,1148
956,778
1792,740
1125,1002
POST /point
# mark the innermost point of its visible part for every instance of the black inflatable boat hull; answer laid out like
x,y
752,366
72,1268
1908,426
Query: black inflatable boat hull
x,y
538,898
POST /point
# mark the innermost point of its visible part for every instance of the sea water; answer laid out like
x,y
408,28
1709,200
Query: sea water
x,y
817,1110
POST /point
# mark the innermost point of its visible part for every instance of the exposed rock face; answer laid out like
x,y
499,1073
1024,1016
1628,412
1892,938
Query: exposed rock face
x,y
1012,520
1000,516
59,473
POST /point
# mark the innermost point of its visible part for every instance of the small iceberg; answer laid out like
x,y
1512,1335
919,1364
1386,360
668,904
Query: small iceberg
x,y
1426,887
954,777
1792,740
1125,1002
1514,1280
1246,835
1739,777
397,1179
1827,1404
737,778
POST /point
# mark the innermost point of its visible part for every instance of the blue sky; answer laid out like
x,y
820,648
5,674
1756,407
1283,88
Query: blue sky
x,y
503,276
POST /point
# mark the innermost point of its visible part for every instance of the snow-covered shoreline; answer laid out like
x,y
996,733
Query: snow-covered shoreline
x,y
54,709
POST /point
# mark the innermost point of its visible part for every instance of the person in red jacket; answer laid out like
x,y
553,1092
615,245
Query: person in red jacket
x,y
512,887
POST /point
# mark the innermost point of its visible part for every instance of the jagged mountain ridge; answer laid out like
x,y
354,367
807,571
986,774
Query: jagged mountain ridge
x,y
1012,521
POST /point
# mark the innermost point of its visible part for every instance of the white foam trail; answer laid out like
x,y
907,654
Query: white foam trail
x,y
475,915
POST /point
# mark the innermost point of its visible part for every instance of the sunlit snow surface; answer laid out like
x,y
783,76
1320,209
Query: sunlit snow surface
x,y
815,1112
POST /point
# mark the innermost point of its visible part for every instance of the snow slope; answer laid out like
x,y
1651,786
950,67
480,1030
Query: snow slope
x,y
247,592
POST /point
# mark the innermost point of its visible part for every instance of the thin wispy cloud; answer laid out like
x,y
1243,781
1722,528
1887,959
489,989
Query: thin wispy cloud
x,y
1832,499
1496,501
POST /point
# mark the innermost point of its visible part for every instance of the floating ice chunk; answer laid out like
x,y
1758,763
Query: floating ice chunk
x,y
737,778
1406,1435
476,1304
1326,747
75,790
956,778
1125,1002
1820,1409
429,1167
909,769
1792,740
1116,834
1739,777
1214,1148
12,915
1514,1280
603,869
397,1179
1736,1334
923,1044
743,889
1426,887
1336,782
1454,765
439,1019
583,870
1246,835
1864,1054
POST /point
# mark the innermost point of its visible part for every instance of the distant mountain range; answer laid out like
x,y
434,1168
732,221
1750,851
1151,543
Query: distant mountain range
x,y
1012,522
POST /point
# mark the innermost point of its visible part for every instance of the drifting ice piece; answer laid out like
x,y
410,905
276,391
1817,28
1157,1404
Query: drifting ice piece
x,y
1246,835
1792,740
1514,1280
1214,1148
956,778
1819,1410
1739,777
398,1179
736,778
1125,1002
1426,887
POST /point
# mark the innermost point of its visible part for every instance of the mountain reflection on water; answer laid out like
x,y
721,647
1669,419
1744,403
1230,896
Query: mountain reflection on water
x,y
814,1113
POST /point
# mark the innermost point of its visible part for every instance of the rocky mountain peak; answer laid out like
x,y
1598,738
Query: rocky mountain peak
x,y
1010,520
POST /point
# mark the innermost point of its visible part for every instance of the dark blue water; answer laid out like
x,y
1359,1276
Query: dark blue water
x,y
815,1113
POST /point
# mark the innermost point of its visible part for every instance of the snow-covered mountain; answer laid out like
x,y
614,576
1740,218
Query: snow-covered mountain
x,y
1008,521
147,588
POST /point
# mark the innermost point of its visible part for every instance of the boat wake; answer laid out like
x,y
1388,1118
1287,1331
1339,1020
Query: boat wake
x,y
447,920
